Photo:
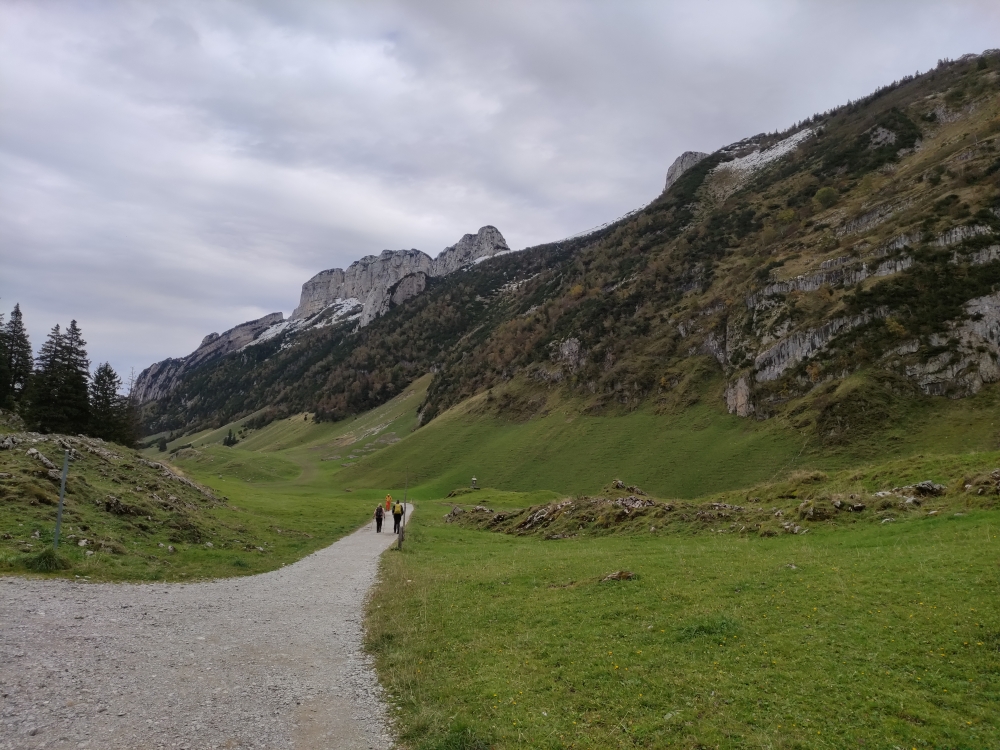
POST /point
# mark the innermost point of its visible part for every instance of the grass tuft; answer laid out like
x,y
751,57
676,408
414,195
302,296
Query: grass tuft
x,y
46,561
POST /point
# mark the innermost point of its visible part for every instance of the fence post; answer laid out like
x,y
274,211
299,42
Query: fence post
x,y
62,494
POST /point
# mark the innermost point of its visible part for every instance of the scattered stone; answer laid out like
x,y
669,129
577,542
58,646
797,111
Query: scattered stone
x,y
170,548
208,545
38,456
888,520
810,511
83,543
928,488
633,503
161,545
36,534
5,475
619,575
88,552
857,507
620,485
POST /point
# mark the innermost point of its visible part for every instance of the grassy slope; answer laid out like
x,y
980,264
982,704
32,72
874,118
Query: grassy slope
x,y
698,451
281,501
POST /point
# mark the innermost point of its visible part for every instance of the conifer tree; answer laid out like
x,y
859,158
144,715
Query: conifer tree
x,y
107,405
131,427
76,379
43,391
57,393
20,360
5,394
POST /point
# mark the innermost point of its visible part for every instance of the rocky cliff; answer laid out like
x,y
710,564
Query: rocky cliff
x,y
158,380
376,281
362,292
682,164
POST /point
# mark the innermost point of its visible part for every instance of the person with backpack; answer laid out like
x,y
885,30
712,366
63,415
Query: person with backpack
x,y
397,516
379,515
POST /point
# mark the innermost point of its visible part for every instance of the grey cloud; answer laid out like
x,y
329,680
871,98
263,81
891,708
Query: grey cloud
x,y
172,168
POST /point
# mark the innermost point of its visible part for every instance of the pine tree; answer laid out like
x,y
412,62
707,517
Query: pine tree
x,y
76,380
58,398
107,405
5,390
42,393
19,353
130,428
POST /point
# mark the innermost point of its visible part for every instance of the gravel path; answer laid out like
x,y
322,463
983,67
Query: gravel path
x,y
268,661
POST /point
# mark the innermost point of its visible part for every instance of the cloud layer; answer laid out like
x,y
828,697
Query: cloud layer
x,y
172,168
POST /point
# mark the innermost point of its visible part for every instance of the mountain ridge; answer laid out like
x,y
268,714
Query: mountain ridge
x,y
862,240
361,293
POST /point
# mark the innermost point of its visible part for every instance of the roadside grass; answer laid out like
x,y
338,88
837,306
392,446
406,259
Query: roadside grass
x,y
881,636
128,516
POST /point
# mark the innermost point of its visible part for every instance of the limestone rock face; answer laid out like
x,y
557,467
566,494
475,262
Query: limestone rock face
x,y
682,164
409,286
362,292
973,363
739,398
158,380
376,279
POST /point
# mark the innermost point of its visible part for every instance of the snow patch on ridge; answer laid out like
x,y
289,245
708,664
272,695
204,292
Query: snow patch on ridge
x,y
338,311
726,178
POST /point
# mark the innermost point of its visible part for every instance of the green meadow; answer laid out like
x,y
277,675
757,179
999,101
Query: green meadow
x,y
877,636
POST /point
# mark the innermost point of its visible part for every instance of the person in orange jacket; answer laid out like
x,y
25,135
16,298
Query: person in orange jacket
x,y
388,502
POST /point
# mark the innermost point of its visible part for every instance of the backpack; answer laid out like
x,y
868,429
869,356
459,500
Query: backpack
x,y
378,512
397,509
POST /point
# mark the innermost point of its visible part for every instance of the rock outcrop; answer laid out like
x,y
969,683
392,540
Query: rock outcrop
x,y
682,164
362,292
376,281
158,380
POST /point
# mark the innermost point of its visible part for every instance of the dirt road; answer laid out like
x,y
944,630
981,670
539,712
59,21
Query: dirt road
x,y
268,661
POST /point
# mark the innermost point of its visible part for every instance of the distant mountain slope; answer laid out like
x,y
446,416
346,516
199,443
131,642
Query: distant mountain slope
x,y
366,290
823,274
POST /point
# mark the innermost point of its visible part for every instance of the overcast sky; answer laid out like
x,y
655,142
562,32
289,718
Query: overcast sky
x,y
169,169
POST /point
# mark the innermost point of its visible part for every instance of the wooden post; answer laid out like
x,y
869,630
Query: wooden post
x,y
62,494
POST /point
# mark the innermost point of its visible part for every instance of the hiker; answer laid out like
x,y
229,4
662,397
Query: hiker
x,y
397,515
388,502
379,515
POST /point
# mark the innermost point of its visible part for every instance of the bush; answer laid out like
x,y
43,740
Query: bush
x,y
826,197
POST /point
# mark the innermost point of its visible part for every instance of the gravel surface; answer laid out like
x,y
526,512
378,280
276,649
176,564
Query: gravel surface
x,y
268,661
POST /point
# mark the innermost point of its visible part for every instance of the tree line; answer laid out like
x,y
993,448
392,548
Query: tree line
x,y
56,392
